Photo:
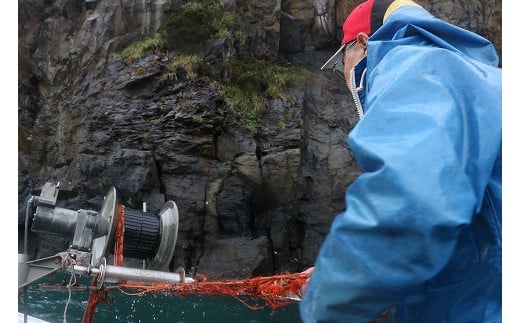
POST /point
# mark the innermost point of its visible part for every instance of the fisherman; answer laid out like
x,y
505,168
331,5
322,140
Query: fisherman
x,y
421,236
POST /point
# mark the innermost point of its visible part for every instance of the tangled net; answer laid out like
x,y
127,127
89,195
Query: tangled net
x,y
276,291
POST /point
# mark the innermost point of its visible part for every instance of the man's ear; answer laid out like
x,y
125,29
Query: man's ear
x,y
362,38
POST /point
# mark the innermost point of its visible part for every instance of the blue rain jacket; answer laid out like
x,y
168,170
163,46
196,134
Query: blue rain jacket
x,y
421,234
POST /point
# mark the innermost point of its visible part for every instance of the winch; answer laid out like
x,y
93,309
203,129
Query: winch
x,y
119,231
95,235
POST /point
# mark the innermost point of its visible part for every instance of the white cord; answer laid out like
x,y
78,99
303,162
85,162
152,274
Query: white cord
x,y
72,282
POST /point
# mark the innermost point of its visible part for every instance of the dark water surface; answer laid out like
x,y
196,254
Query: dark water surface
x,y
51,306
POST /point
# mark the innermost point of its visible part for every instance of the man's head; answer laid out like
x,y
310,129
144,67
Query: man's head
x,y
362,22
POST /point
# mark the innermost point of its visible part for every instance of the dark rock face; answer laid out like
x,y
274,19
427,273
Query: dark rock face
x,y
249,203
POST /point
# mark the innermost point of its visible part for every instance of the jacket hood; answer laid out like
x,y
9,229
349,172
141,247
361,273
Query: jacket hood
x,y
415,26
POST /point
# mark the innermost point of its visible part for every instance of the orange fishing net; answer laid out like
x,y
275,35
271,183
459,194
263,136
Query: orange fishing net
x,y
276,291
120,230
96,295
94,298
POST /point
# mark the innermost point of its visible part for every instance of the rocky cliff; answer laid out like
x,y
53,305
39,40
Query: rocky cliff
x,y
256,191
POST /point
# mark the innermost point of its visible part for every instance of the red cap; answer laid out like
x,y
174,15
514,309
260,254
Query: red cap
x,y
358,21
366,17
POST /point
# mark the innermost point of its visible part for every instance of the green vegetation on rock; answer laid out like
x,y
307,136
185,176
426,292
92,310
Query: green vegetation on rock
x,y
197,21
144,47
248,80
253,80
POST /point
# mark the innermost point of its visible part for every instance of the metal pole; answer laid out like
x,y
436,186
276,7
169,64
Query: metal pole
x,y
114,274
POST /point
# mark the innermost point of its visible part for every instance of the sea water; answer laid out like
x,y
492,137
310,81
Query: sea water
x,y
62,306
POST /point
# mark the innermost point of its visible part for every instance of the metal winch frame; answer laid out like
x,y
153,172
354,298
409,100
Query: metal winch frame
x,y
149,237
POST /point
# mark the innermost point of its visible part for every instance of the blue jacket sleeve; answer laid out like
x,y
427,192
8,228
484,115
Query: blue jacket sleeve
x,y
426,145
